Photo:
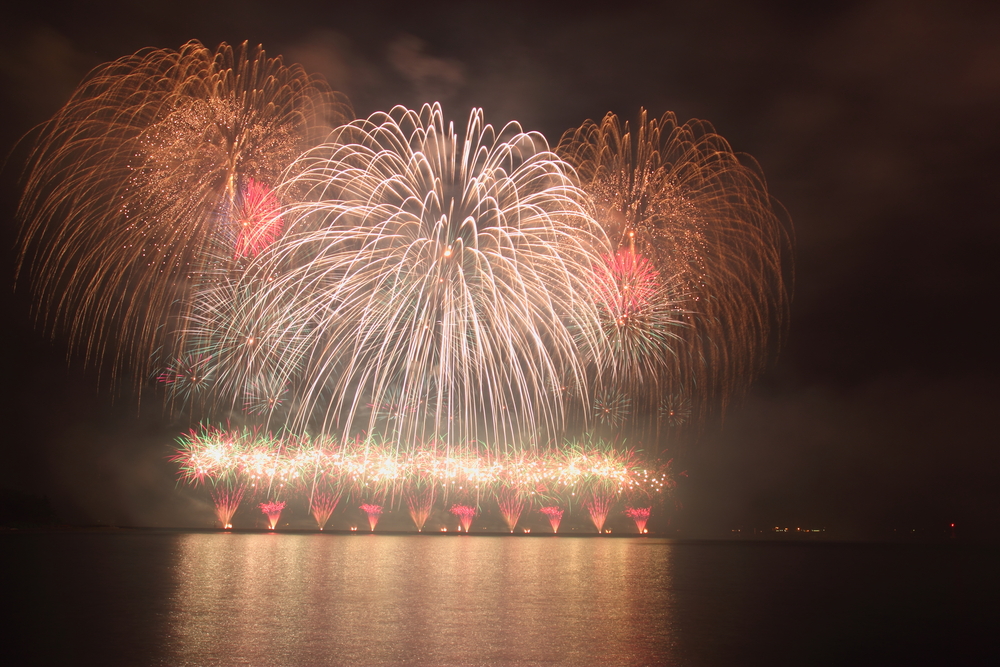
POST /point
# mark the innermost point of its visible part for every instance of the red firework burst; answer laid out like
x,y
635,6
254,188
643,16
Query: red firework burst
x,y
626,284
259,217
598,507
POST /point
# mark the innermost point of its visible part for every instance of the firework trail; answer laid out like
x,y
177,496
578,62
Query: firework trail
x,y
447,275
373,512
465,514
134,180
640,515
272,510
554,514
677,197
187,377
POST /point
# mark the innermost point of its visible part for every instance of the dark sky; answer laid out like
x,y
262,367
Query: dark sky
x,y
877,125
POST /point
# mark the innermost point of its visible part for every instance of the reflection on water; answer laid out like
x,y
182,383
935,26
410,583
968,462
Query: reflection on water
x,y
401,600
175,598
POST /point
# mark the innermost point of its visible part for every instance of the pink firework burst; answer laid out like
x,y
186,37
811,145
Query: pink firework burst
x,y
226,502
322,506
273,512
598,507
626,283
419,503
259,217
465,515
640,515
373,512
554,514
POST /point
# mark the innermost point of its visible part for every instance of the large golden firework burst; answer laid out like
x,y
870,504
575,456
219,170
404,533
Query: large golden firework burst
x,y
134,181
677,195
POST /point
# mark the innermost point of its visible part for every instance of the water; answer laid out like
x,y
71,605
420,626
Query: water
x,y
177,598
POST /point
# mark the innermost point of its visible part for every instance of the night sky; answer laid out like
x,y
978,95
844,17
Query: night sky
x,y
876,124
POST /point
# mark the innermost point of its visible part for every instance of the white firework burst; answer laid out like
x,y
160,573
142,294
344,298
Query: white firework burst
x,y
442,271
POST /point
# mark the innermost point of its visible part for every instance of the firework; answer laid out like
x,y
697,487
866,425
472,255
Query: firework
x,y
611,407
227,501
373,512
465,514
258,219
675,410
677,196
554,514
641,318
187,377
420,502
399,309
321,506
272,510
640,515
598,506
511,503
154,158
447,276
250,349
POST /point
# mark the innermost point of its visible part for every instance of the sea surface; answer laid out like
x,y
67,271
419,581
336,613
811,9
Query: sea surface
x,y
200,598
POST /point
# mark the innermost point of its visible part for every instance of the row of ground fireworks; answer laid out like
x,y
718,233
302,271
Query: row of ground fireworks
x,y
589,474
322,507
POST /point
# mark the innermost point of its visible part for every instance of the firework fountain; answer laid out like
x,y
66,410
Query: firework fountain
x,y
511,503
272,510
227,501
321,506
373,512
598,506
396,308
640,515
465,514
554,515
420,502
